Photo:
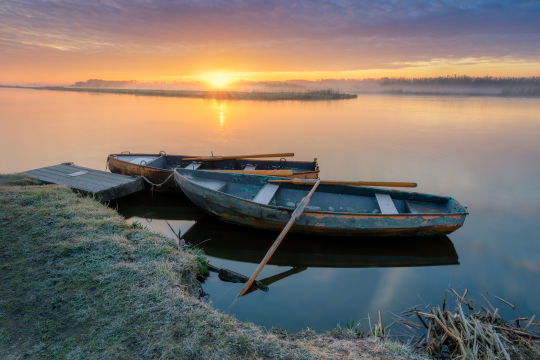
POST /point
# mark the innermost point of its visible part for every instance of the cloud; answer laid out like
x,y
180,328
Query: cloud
x,y
340,33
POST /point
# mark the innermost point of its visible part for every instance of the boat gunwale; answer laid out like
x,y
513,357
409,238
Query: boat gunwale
x,y
245,159
306,211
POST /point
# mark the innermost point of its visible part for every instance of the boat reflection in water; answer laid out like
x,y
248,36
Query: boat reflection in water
x,y
177,217
237,243
158,206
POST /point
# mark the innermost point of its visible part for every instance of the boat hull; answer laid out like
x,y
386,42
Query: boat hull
x,y
247,213
164,177
154,175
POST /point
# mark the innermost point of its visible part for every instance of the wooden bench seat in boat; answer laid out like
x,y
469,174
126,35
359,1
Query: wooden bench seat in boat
x,y
410,208
139,160
386,204
212,184
193,166
265,195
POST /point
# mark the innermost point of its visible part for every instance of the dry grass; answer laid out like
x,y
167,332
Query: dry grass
x,y
78,282
18,180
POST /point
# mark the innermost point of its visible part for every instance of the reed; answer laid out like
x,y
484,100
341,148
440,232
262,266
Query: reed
x,y
469,332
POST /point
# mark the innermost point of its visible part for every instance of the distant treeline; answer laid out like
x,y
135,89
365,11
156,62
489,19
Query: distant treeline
x,y
98,83
463,85
464,80
443,85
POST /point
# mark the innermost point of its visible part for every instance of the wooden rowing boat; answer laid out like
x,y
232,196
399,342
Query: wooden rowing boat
x,y
158,168
233,242
253,200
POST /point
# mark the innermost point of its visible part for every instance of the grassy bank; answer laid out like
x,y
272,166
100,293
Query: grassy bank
x,y
308,95
78,282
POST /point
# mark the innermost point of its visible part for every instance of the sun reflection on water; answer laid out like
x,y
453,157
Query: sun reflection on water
x,y
221,108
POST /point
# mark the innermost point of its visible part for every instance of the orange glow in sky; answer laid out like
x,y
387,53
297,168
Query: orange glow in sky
x,y
218,44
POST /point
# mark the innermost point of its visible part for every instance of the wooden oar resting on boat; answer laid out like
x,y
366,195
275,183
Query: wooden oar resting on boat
x,y
253,200
347,183
158,168
295,215
253,156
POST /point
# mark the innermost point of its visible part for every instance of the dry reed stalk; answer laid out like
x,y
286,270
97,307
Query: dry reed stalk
x,y
529,323
473,334
513,306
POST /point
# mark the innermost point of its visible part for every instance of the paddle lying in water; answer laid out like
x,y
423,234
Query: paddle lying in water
x,y
350,183
253,156
295,215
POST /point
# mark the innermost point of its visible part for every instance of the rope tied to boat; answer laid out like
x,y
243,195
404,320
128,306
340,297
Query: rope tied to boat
x,y
154,185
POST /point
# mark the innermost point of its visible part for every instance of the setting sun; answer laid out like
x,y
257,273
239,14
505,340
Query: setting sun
x,y
218,80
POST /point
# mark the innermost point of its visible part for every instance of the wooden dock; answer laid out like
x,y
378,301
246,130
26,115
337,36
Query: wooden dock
x,y
102,184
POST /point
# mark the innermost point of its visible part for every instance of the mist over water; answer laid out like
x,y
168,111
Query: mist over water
x,y
444,85
483,151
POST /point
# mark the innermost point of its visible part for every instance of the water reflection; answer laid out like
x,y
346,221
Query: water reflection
x,y
158,206
236,243
482,151
221,109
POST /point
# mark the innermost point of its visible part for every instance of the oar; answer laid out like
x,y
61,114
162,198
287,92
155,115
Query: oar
x,y
259,172
295,215
350,183
253,156
272,279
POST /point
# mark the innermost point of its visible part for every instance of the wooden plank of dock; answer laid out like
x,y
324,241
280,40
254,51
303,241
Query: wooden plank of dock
x,y
102,184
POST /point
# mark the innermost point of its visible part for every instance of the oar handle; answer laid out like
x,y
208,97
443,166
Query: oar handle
x,y
259,172
230,157
348,183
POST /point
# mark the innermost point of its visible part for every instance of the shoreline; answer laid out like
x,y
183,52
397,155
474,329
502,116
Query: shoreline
x,y
79,282
309,95
302,95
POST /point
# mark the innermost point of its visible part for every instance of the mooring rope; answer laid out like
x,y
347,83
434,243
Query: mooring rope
x,y
157,185
153,185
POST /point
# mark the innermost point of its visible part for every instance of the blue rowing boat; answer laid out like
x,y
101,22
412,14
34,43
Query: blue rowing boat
x,y
258,201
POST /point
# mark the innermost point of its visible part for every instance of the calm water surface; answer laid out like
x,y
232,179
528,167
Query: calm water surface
x,y
485,152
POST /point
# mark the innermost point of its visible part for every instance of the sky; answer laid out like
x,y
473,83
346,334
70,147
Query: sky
x,y
63,41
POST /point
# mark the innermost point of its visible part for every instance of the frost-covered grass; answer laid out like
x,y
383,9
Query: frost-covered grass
x,y
76,281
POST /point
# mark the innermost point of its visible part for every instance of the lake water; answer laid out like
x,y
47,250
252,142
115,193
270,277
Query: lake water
x,y
483,151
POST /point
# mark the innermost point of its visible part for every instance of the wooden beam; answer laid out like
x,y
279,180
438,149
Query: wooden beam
x,y
253,156
259,172
348,183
